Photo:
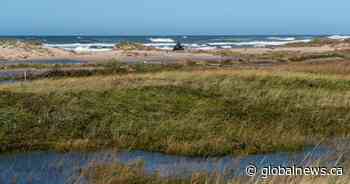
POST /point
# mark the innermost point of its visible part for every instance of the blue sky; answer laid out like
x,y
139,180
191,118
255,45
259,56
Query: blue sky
x,y
164,17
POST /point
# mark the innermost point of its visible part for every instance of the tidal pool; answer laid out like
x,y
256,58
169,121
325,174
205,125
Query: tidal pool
x,y
43,62
60,168
4,82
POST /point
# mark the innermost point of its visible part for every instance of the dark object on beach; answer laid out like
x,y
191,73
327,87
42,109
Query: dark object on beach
x,y
178,47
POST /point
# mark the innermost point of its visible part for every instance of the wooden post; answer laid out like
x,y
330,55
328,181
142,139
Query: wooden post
x,y
25,75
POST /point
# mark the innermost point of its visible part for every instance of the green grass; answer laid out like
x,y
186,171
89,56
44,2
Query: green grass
x,y
135,174
107,68
28,45
214,112
284,56
119,173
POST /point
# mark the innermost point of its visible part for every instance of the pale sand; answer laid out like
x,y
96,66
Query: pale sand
x,y
14,54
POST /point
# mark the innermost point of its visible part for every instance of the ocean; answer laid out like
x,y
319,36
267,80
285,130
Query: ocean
x,y
106,43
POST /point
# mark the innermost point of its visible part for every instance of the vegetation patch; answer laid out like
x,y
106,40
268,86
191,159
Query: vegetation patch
x,y
127,46
281,56
27,45
136,174
214,112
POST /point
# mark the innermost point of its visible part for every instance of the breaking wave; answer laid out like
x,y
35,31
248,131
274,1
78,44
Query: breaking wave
x,y
339,37
83,47
282,38
207,43
162,40
256,43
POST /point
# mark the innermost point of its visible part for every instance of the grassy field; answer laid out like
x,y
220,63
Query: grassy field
x,y
135,174
284,56
195,112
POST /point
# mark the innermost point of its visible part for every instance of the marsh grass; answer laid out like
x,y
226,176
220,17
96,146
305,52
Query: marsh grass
x,y
340,68
46,71
106,168
282,56
205,112
126,174
135,173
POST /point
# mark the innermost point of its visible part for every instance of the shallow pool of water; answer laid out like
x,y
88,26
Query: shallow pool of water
x,y
44,62
10,74
58,168
15,76
4,82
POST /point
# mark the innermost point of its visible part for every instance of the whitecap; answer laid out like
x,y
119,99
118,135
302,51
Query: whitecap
x,y
205,48
282,38
80,47
86,49
256,43
226,47
159,44
162,40
339,37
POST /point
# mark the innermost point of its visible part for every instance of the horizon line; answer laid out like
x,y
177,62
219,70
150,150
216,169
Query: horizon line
x,y
141,35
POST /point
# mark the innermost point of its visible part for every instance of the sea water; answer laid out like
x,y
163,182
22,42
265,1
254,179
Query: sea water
x,y
81,43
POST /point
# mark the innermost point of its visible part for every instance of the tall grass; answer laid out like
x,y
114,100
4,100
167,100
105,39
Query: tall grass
x,y
214,112
135,173
329,68
282,56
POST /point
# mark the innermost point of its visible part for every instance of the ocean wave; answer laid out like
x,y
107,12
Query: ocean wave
x,y
159,44
162,46
83,47
199,45
232,39
162,40
226,47
256,43
170,46
282,38
339,37
193,45
74,45
204,48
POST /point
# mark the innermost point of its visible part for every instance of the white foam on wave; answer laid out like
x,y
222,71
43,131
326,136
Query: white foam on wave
x,y
162,40
226,47
339,37
83,47
256,43
170,46
159,44
204,48
162,46
282,38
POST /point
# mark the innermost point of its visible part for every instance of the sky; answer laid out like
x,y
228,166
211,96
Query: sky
x,y
173,17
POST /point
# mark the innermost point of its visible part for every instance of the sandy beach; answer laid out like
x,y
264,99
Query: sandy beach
x,y
44,53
